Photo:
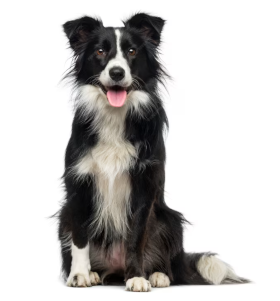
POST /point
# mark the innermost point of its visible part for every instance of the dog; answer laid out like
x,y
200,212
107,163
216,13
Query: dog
x,y
114,225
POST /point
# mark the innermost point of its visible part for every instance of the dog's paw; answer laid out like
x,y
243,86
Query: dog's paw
x,y
78,280
94,278
158,279
83,279
138,284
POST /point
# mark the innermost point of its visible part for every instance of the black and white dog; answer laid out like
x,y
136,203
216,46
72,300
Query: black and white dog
x,y
115,225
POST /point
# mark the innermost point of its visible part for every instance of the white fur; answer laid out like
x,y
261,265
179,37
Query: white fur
x,y
139,102
80,267
138,284
215,270
117,61
158,279
113,205
108,162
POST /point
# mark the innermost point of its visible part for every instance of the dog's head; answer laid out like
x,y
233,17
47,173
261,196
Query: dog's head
x,y
116,61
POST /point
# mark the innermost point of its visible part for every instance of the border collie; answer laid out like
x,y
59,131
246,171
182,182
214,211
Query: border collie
x,y
114,224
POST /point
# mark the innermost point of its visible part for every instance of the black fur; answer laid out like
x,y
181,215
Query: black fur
x,y
155,240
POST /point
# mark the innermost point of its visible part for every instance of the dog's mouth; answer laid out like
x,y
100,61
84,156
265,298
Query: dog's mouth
x,y
116,95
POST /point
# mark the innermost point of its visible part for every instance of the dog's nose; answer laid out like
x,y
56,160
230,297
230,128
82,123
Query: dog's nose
x,y
117,73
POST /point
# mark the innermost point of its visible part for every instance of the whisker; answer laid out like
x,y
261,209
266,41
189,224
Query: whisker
x,y
94,79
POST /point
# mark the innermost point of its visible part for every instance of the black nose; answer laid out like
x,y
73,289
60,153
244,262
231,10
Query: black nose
x,y
117,73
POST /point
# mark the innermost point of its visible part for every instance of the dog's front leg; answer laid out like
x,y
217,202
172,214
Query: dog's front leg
x,y
80,266
144,193
74,219
135,275
81,274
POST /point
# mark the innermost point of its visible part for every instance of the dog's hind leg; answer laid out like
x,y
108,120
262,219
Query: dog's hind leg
x,y
203,268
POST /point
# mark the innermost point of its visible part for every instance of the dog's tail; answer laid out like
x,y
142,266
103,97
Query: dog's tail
x,y
203,268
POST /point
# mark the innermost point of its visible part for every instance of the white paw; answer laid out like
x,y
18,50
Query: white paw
x,y
138,284
94,278
78,280
83,279
158,279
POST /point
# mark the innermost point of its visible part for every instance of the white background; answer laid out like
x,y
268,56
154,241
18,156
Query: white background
x,y
223,150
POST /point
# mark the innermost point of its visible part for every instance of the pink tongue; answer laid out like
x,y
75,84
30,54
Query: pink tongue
x,y
116,98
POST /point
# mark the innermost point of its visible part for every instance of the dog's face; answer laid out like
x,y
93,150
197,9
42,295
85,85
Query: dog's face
x,y
116,60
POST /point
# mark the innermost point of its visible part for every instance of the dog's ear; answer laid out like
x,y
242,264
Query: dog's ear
x,y
77,31
149,26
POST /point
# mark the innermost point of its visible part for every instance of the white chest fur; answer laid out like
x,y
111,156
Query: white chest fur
x,y
109,162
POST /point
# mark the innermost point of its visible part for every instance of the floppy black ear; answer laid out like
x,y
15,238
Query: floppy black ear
x,y
149,26
77,31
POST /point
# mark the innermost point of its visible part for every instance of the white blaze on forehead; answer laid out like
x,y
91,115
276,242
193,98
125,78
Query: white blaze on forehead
x,y
118,61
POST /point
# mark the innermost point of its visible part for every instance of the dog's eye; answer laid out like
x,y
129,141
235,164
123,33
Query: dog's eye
x,y
132,51
100,52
